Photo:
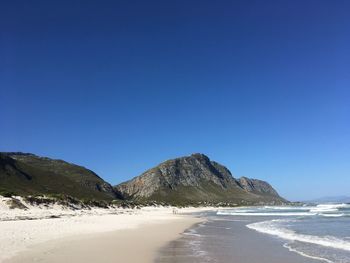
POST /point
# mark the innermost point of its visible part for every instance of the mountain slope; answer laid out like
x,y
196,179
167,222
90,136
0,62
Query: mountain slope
x,y
28,174
195,179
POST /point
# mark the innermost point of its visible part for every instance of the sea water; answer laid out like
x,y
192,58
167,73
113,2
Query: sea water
x,y
320,232
268,234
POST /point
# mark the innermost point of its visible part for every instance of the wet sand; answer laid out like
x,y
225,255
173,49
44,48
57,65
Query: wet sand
x,y
226,241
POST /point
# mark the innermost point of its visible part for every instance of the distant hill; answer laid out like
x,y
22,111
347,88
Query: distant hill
x,y
196,178
28,174
331,199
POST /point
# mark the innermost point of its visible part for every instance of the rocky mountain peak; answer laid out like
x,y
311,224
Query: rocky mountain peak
x,y
194,178
200,156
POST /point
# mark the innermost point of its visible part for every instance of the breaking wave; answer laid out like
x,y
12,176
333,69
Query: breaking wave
x,y
274,228
326,210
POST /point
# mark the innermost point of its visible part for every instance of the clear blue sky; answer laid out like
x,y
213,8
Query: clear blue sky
x,y
119,86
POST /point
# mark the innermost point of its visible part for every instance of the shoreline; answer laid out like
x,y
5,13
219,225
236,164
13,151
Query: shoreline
x,y
228,239
146,235
110,238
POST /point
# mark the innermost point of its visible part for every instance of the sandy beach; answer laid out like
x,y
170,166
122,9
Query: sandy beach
x,y
127,235
129,245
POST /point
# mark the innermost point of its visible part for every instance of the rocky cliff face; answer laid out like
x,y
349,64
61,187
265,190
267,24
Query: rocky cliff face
x,y
24,173
256,186
196,178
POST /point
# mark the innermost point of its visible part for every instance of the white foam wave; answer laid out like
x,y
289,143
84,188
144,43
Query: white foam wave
x,y
273,228
323,210
332,215
191,234
305,255
265,213
287,208
326,210
334,205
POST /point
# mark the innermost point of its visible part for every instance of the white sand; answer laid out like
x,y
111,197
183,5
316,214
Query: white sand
x,y
30,235
132,245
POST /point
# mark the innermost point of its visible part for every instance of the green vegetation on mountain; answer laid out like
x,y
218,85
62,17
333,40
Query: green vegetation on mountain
x,y
28,174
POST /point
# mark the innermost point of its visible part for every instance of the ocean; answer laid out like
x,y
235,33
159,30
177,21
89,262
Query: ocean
x,y
270,234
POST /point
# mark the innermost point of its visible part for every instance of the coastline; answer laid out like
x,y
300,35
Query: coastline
x,y
223,240
93,238
146,235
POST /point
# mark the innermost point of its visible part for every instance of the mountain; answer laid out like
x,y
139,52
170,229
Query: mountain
x,y
28,174
182,180
196,178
